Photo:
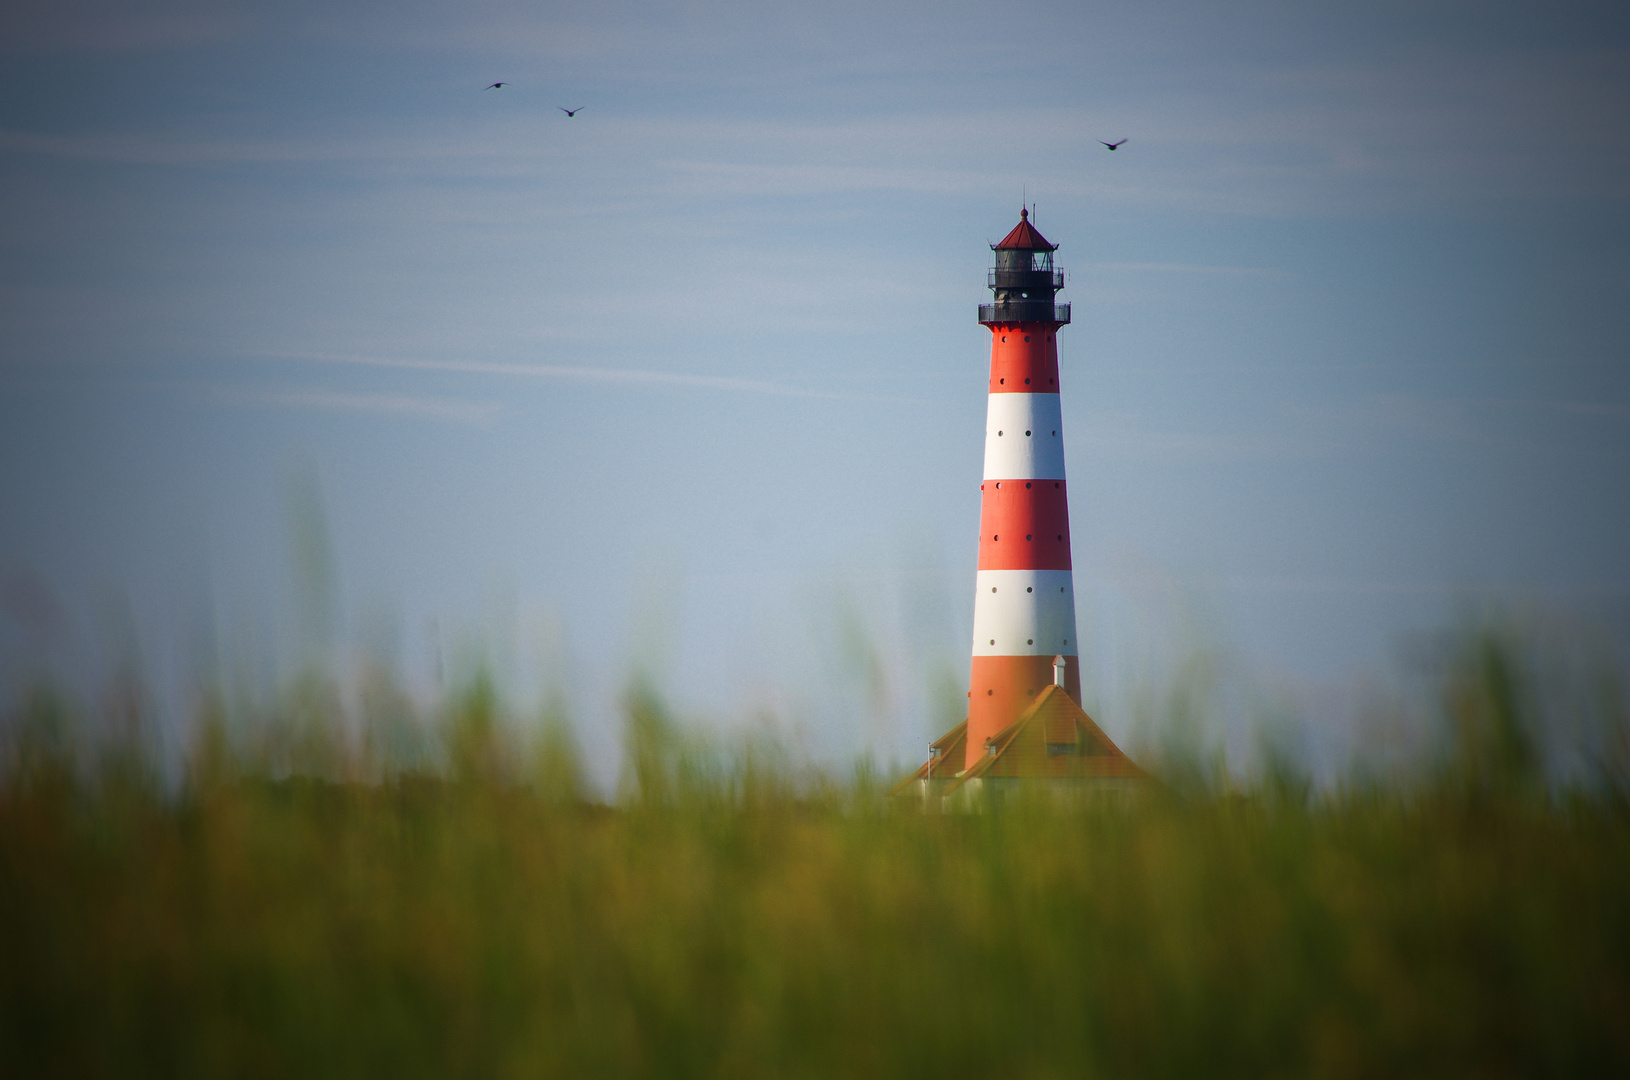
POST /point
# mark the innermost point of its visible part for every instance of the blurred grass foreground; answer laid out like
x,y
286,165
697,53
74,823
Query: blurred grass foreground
x,y
300,904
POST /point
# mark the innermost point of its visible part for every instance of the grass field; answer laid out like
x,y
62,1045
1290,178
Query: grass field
x,y
731,915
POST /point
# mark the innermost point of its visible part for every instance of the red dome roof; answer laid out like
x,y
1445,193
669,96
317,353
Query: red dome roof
x,y
1024,237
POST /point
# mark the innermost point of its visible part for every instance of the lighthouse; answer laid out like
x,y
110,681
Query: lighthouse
x,y
1024,595
1024,722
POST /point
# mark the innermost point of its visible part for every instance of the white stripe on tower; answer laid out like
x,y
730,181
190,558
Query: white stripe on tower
x,y
1024,437
1024,613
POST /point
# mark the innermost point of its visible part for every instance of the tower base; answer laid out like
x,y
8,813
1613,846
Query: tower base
x,y
1002,688
1053,749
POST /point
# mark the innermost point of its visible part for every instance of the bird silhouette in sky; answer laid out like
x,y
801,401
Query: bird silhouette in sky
x,y
497,86
1112,145
569,112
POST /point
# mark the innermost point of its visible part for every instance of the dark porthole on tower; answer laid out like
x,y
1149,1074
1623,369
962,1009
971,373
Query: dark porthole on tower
x,y
1028,588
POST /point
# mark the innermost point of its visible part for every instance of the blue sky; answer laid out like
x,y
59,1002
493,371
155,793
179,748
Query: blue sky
x,y
692,381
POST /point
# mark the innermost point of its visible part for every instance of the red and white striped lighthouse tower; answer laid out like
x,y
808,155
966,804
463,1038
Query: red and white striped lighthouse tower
x,y
1024,604
1025,725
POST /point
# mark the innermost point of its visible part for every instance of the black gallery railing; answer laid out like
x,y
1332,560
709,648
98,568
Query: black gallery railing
x,y
1024,311
1003,278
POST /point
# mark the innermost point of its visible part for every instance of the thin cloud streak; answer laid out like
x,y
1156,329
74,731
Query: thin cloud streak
x,y
1183,268
1610,409
152,148
462,412
104,28
1424,587
1394,131
625,376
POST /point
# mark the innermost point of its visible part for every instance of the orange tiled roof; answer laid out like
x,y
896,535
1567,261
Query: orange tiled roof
x,y
952,747
1053,739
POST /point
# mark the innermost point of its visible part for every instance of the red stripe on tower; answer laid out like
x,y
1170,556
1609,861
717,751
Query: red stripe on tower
x,y
1024,600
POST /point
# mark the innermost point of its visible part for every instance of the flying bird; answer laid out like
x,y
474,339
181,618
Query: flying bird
x,y
569,112
1112,145
497,86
